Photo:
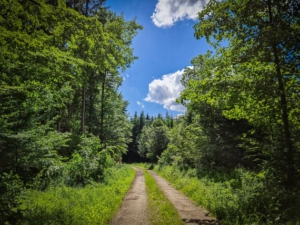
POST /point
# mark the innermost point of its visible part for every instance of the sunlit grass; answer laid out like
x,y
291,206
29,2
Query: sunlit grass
x,y
160,210
94,204
143,165
220,198
234,200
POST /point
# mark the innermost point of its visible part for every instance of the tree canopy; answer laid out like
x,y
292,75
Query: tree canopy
x,y
62,118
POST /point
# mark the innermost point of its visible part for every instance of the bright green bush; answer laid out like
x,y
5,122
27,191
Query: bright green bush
x,y
85,166
94,204
88,163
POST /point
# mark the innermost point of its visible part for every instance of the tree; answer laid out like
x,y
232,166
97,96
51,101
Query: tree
x,y
52,87
169,120
257,71
154,140
34,91
137,122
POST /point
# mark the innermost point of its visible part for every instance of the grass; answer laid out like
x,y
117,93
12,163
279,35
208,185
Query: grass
x,y
240,197
93,204
239,200
160,210
143,165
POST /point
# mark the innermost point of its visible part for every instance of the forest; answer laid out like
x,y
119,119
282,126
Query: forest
x,y
66,135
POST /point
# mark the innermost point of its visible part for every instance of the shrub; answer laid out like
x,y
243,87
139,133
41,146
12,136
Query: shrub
x,y
96,203
10,191
241,197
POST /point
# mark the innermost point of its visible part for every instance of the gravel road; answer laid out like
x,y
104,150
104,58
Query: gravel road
x,y
134,208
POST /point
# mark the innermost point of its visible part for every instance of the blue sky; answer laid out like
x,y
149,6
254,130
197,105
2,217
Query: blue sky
x,y
165,46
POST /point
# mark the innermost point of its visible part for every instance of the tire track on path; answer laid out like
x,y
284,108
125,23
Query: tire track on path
x,y
133,210
188,211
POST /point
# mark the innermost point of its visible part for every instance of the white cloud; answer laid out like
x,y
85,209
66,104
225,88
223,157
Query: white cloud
x,y
165,91
140,104
168,12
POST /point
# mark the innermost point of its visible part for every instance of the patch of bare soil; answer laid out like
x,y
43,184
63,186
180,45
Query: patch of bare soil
x,y
133,210
188,211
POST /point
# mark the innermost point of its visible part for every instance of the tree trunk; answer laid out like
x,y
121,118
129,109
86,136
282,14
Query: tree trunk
x,y
83,88
59,121
102,107
69,115
283,104
287,133
91,106
83,110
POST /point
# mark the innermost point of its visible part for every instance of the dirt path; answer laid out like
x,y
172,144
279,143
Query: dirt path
x,y
188,211
134,207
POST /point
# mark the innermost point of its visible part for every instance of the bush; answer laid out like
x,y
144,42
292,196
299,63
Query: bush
x,y
94,204
88,163
10,191
241,197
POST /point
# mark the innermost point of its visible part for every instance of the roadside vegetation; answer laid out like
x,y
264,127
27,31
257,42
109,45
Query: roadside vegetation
x,y
160,210
95,203
236,198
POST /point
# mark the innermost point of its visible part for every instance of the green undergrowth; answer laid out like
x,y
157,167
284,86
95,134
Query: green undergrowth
x,y
94,204
147,166
237,198
160,210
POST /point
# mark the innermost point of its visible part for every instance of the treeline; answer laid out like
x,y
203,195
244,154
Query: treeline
x,y
242,104
206,141
141,126
62,119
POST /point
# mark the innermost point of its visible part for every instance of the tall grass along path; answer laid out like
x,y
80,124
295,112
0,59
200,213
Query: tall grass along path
x,y
134,208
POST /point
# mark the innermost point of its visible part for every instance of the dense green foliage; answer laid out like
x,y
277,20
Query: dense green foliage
x,y
138,122
153,140
236,198
254,78
96,203
62,119
142,127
